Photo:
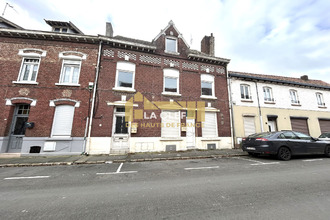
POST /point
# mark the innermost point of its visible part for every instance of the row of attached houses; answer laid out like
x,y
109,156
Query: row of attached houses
x,y
64,92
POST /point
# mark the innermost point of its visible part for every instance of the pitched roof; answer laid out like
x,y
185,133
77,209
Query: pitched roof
x,y
4,23
281,79
64,24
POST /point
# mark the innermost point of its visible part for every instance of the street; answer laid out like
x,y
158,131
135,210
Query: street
x,y
224,188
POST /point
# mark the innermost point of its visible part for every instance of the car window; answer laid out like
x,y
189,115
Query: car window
x,y
325,135
287,135
261,135
303,136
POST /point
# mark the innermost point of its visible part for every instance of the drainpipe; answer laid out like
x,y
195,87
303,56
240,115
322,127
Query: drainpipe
x,y
232,131
93,98
260,116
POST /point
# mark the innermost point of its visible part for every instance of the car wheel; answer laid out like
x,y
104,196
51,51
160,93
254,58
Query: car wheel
x,y
284,153
327,151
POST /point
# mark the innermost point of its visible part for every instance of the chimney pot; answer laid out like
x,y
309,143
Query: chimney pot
x,y
304,77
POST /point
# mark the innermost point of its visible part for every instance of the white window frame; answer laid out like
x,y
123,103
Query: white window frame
x,y
23,68
268,90
176,45
207,78
244,92
55,133
172,74
70,63
320,100
294,97
125,67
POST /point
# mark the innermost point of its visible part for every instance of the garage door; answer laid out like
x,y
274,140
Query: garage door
x,y
324,125
300,125
249,126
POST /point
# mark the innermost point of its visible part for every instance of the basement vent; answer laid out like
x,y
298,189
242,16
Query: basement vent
x,y
211,146
171,147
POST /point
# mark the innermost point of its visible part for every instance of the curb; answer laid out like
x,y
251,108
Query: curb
x,y
118,161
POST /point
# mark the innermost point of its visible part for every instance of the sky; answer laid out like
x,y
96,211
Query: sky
x,y
273,37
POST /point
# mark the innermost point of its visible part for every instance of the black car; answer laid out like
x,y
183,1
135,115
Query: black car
x,y
284,144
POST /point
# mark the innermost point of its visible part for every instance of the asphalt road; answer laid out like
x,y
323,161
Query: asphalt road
x,y
226,188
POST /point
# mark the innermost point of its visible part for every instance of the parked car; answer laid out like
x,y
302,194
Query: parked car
x,y
324,137
284,144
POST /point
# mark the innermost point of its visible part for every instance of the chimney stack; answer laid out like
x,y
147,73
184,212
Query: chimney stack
x,y
108,30
207,45
304,77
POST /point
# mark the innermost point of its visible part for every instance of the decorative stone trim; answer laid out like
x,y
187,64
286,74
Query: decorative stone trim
x,y
149,59
55,102
32,52
17,100
124,54
171,63
108,53
220,70
191,66
73,55
207,68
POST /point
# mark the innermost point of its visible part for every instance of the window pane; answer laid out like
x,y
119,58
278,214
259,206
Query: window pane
x,y
75,75
170,84
170,45
242,92
207,88
34,73
125,79
247,92
20,125
121,125
26,70
66,74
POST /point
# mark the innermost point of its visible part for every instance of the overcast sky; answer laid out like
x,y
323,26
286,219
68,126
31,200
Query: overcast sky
x,y
274,37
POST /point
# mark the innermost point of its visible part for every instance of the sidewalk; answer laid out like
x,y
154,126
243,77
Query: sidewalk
x,y
101,159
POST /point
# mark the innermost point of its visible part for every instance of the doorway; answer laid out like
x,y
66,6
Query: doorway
x,y
120,132
272,125
17,131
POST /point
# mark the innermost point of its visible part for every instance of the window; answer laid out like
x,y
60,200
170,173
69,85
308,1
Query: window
x,y
171,45
294,97
207,85
63,118
125,76
210,125
171,124
320,101
29,70
70,72
245,92
171,82
268,94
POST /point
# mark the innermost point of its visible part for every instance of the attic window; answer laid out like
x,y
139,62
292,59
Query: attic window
x,y
171,45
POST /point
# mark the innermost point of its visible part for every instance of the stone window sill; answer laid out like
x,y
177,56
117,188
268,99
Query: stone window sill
x,y
25,82
208,97
171,94
121,89
67,84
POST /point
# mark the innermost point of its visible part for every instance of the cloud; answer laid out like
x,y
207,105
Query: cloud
x,y
272,37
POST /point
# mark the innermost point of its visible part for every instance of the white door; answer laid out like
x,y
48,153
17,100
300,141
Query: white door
x,y
272,125
120,133
190,133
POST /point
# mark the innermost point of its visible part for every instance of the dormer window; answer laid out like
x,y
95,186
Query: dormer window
x,y
59,29
171,45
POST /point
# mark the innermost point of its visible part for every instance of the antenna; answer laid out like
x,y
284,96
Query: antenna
x,y
3,13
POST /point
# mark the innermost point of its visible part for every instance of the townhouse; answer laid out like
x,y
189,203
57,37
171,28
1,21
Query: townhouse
x,y
269,103
45,88
160,95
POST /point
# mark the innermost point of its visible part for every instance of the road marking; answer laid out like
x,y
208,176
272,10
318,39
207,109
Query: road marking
x,y
201,168
26,177
118,171
256,162
312,160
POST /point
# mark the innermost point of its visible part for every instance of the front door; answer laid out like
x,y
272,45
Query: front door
x,y
272,125
17,132
190,133
120,134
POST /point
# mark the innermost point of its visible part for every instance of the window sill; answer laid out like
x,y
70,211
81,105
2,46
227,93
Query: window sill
x,y
210,139
172,52
171,139
246,100
60,138
269,102
171,94
67,84
321,106
208,97
121,89
295,104
25,82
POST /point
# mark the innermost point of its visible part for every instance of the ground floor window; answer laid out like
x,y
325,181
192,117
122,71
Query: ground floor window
x,y
249,125
171,123
63,119
210,125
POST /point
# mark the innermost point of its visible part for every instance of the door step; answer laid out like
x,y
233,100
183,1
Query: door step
x,y
10,155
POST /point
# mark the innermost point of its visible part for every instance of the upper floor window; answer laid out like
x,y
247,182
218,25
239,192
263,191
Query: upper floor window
x,y
30,65
125,76
294,97
171,45
320,100
268,94
71,67
207,85
245,92
171,81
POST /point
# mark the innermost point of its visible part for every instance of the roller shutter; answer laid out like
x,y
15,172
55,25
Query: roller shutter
x,y
300,125
249,125
171,124
63,119
210,125
324,125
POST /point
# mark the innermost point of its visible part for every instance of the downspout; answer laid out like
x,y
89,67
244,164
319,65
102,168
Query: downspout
x,y
231,118
260,116
93,98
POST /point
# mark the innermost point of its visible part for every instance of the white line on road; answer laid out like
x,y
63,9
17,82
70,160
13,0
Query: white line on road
x,y
312,160
256,162
117,172
201,168
119,168
26,177
260,163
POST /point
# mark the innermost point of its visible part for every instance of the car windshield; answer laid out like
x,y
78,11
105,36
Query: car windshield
x,y
325,135
261,135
